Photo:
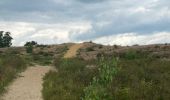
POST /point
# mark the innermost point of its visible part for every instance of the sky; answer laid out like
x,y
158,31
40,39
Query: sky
x,y
121,22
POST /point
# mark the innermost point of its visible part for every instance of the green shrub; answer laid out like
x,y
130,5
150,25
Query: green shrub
x,y
89,49
29,49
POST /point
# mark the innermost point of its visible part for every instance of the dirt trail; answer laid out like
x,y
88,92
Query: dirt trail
x,y
28,86
73,51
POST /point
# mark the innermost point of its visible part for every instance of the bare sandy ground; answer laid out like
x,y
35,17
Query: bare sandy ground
x,y
28,86
72,52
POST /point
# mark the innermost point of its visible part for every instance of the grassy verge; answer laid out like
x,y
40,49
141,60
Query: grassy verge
x,y
10,65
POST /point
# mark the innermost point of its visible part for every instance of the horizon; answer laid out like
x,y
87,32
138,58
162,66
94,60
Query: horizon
x,y
107,22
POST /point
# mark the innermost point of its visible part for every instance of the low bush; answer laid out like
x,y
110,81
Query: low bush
x,y
29,49
89,49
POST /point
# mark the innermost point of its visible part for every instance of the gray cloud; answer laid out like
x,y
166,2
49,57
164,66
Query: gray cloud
x,y
107,17
91,1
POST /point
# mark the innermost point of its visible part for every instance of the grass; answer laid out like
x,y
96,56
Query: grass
x,y
69,82
10,65
138,76
41,59
135,76
98,89
141,79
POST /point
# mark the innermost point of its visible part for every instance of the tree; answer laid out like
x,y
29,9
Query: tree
x,y
29,46
32,43
5,39
1,38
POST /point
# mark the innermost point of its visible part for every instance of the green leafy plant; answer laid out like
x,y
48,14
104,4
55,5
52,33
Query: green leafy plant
x,y
97,90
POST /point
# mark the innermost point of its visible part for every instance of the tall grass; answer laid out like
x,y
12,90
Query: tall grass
x,y
10,65
98,89
141,79
69,82
41,58
135,76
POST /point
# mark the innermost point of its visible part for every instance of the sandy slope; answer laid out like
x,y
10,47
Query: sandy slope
x,y
28,86
73,51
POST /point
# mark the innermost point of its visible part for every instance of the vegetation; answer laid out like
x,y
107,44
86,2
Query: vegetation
x,y
5,39
98,89
135,76
31,43
89,49
69,82
29,46
41,58
10,65
29,49
141,79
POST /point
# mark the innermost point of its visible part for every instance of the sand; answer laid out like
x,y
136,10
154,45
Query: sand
x,y
28,85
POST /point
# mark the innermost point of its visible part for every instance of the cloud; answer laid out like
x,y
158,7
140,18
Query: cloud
x,y
91,1
81,20
134,38
139,19
44,33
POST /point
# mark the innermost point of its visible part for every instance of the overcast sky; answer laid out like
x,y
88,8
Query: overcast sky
x,y
124,22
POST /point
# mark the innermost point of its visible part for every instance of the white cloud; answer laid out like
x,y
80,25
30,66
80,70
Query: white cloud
x,y
44,33
133,38
57,21
17,28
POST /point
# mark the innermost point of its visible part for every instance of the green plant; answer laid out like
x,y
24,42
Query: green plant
x,y
97,90
69,82
89,49
29,49
10,65
31,43
141,79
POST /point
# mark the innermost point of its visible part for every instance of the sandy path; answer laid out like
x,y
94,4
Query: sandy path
x,y
72,52
28,86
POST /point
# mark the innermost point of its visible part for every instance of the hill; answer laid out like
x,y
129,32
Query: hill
x,y
90,71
